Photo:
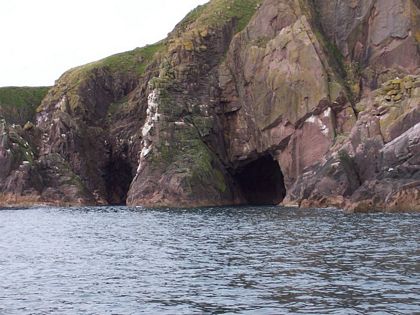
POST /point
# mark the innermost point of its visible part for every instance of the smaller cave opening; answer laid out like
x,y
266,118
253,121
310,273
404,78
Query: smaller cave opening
x,y
118,177
261,182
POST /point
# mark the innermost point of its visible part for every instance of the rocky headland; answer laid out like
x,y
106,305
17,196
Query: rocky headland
x,y
309,103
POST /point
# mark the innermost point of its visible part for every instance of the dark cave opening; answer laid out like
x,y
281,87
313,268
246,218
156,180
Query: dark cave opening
x,y
118,177
261,182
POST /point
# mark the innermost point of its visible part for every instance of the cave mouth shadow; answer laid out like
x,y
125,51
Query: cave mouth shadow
x,y
261,181
118,178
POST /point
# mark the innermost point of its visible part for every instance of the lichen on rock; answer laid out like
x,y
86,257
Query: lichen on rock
x,y
324,95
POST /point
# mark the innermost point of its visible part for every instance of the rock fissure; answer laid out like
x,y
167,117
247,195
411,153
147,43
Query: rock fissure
x,y
328,90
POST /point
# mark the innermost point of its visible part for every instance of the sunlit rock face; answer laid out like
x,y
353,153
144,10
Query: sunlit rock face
x,y
307,103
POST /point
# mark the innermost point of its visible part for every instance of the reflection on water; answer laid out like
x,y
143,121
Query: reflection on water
x,y
256,260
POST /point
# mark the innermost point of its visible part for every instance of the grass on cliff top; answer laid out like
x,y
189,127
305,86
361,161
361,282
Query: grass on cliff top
x,y
22,96
133,61
18,104
217,12
213,14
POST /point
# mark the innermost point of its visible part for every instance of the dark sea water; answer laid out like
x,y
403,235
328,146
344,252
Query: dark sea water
x,y
255,260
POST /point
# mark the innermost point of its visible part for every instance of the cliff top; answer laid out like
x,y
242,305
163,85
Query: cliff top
x,y
18,104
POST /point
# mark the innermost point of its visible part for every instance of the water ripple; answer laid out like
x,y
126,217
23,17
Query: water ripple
x,y
116,260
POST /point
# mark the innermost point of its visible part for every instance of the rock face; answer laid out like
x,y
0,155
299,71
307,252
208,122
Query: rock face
x,y
309,103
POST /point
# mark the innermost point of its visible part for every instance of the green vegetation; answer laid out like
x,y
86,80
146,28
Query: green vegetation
x,y
114,107
347,162
20,148
217,12
203,171
18,104
22,96
134,62
347,74
336,57
124,66
192,16
261,42
340,137
185,152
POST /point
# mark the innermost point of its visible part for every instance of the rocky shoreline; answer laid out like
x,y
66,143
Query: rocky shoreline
x,y
307,103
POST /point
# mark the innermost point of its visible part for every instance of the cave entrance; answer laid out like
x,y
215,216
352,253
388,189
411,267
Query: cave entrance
x,y
118,177
261,182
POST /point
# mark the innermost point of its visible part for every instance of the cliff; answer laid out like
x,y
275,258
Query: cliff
x,y
299,102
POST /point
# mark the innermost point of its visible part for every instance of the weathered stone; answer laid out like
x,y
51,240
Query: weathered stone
x,y
398,97
393,92
291,90
385,29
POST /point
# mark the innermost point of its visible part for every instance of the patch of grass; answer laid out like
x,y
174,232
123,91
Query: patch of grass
x,y
22,96
128,65
113,107
192,16
217,12
18,104
133,61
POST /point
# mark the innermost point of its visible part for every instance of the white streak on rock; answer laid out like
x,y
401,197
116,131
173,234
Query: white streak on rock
x,y
61,102
311,119
151,118
327,112
315,120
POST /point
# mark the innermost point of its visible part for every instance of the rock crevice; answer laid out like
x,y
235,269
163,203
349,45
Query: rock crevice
x,y
308,103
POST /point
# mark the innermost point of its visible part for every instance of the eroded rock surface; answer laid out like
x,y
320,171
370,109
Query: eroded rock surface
x,y
308,103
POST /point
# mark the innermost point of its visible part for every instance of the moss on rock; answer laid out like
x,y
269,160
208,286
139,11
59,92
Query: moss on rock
x,y
133,61
217,13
